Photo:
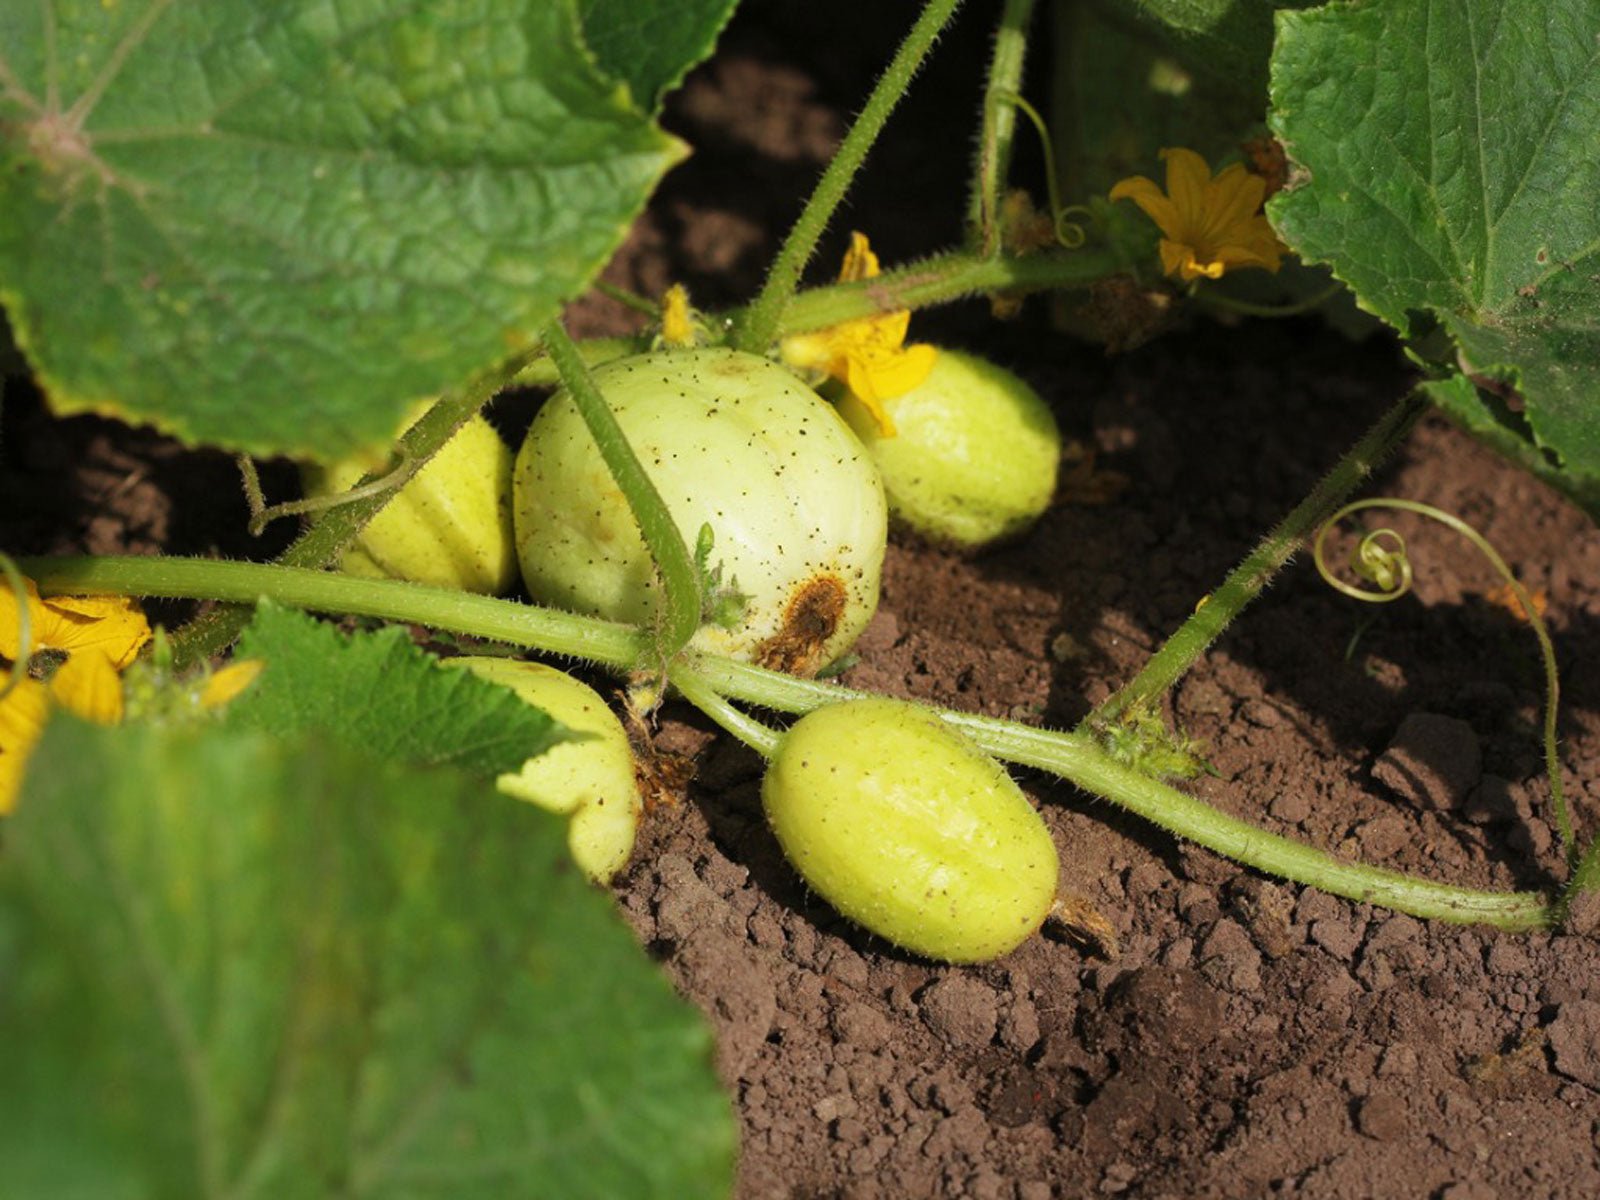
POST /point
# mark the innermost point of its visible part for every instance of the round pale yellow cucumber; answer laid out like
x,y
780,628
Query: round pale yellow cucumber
x,y
591,780
450,525
974,456
904,826
732,441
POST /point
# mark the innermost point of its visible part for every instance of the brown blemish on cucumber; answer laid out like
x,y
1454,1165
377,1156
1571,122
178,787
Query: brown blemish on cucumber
x,y
809,620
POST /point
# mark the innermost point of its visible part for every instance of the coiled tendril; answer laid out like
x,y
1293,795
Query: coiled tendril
x,y
1070,234
1380,558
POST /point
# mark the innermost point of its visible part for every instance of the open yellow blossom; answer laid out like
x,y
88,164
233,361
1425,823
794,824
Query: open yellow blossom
x,y
1208,225
869,356
77,647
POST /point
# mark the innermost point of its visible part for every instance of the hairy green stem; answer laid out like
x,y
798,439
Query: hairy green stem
x,y
763,739
1072,756
943,278
1246,581
1077,758
938,279
620,647
214,631
541,371
757,327
680,581
999,126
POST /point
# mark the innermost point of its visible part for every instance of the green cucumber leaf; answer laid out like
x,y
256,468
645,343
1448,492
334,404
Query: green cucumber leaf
x,y
1227,40
276,228
1447,149
376,691
650,45
232,965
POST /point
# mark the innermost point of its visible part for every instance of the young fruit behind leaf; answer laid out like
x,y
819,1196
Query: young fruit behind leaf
x,y
732,441
450,525
592,779
974,456
902,824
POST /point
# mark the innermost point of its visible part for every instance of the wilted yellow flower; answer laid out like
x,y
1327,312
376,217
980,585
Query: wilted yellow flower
x,y
677,322
869,356
77,646
1209,225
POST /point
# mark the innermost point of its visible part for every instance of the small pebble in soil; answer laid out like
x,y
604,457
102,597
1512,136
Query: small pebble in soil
x,y
961,1010
1433,761
1383,1117
1575,1041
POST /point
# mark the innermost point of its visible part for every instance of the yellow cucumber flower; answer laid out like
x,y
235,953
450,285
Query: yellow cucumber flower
x,y
77,646
1208,225
869,356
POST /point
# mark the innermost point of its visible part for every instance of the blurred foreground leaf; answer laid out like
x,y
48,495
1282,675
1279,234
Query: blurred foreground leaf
x,y
232,966
377,692
1452,178
275,227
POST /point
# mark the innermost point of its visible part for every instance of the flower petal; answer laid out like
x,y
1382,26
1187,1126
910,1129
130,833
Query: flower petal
x,y
112,625
227,683
1188,183
10,619
859,261
87,686
1151,199
23,712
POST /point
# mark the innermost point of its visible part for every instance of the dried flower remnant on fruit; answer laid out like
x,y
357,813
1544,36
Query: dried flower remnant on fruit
x,y
1209,225
77,647
869,356
677,321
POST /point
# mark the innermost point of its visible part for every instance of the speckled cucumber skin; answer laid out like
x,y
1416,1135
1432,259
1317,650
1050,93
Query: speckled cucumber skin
x,y
974,457
593,780
911,831
450,525
729,439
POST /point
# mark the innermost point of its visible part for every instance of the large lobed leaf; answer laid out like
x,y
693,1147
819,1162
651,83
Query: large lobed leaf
x,y
1449,153
276,226
376,691
231,965
650,45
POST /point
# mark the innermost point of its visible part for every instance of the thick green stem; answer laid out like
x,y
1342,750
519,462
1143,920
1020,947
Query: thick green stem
x,y
1072,756
761,738
620,647
541,371
1076,758
680,581
757,328
943,278
1246,581
999,125
214,631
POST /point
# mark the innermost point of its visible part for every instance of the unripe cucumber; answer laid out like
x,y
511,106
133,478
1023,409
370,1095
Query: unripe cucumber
x,y
732,441
450,525
592,780
907,828
974,455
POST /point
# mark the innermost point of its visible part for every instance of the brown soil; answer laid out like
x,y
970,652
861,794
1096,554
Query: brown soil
x,y
1253,1037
